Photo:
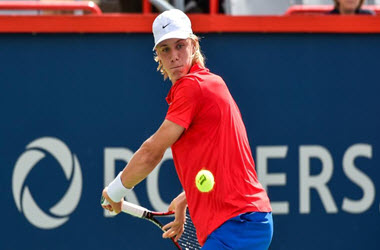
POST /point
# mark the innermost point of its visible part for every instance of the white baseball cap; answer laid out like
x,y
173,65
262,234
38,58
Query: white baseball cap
x,y
171,24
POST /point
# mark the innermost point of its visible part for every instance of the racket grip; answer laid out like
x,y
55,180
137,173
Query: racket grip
x,y
133,209
128,208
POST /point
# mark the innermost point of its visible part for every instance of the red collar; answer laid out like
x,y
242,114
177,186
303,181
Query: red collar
x,y
196,67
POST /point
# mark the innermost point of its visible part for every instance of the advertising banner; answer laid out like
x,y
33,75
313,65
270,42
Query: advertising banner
x,y
75,107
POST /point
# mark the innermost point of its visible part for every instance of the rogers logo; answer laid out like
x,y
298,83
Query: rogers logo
x,y
36,151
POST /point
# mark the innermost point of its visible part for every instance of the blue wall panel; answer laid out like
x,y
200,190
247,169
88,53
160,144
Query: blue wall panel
x,y
98,92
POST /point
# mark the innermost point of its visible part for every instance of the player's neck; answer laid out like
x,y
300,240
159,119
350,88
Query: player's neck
x,y
343,11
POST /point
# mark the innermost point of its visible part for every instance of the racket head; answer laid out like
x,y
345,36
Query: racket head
x,y
188,240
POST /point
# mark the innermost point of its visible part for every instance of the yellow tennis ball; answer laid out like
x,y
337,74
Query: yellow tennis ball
x,y
204,181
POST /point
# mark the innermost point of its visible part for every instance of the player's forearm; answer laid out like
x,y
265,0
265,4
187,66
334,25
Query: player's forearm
x,y
182,199
180,202
142,163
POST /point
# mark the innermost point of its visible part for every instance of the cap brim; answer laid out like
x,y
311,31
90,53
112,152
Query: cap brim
x,y
174,34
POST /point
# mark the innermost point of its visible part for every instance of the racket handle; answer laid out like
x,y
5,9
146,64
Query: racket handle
x,y
128,208
133,209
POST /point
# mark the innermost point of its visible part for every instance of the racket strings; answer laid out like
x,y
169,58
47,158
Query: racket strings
x,y
188,240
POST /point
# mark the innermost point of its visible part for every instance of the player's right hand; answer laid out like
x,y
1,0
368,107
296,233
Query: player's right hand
x,y
176,227
112,206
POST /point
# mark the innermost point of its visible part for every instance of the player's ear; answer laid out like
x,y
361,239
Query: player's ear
x,y
158,58
193,45
194,49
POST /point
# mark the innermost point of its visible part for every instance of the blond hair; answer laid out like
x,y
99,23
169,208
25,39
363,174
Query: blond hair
x,y
198,58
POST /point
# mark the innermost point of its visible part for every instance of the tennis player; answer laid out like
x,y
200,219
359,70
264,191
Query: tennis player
x,y
205,130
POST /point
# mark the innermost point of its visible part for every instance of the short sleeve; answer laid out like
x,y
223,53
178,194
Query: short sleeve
x,y
184,103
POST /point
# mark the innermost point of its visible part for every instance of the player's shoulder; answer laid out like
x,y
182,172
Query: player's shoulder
x,y
187,86
189,79
198,79
192,79
200,75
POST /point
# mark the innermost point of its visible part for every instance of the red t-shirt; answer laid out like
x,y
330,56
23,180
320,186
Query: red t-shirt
x,y
215,139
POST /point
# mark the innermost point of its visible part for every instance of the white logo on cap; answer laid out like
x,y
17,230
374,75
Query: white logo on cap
x,y
24,200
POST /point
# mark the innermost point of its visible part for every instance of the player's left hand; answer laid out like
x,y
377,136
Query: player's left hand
x,y
112,206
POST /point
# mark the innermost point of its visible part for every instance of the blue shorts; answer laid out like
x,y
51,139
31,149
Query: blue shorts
x,y
250,231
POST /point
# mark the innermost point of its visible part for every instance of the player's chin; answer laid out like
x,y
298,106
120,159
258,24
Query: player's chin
x,y
178,75
179,71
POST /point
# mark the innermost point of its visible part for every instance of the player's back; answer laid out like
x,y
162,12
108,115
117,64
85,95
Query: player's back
x,y
216,140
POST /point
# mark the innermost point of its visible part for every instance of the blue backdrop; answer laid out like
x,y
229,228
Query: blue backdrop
x,y
309,101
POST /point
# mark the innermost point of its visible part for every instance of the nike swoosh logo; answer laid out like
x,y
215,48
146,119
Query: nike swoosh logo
x,y
164,26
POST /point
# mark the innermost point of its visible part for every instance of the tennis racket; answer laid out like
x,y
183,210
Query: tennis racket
x,y
188,240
